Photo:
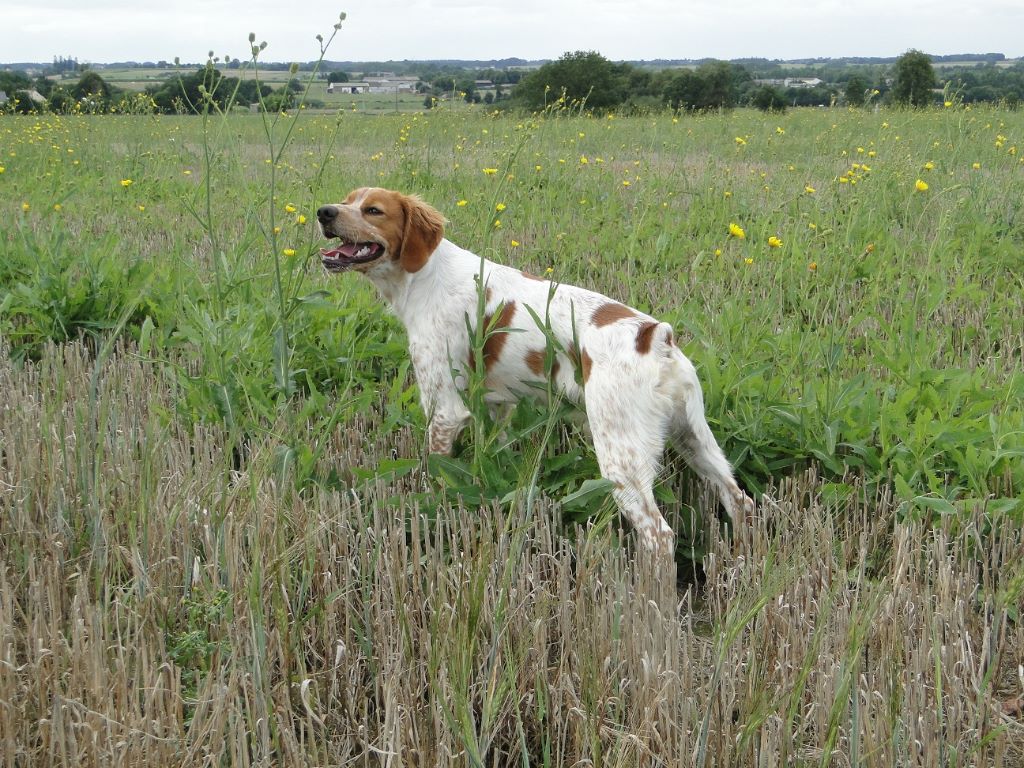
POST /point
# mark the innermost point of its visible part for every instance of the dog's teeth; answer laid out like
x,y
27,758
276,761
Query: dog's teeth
x,y
363,251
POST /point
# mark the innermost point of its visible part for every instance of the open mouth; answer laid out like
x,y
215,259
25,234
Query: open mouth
x,y
348,254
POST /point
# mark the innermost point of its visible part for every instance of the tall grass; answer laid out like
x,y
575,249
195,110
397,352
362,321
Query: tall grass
x,y
194,614
220,541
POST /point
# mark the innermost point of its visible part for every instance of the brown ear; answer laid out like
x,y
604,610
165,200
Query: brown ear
x,y
424,228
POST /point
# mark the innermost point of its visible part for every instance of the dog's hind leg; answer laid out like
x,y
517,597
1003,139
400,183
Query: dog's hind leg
x,y
629,422
693,437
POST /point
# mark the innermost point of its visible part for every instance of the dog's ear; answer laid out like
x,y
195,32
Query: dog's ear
x,y
424,228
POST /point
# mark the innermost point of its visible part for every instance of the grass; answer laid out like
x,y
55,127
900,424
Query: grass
x,y
222,543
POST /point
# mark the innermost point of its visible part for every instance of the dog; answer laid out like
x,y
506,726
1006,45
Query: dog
x,y
622,366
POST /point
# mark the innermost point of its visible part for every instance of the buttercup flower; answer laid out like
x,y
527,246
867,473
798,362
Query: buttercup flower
x,y
921,186
288,251
774,242
289,208
126,182
499,207
462,203
737,231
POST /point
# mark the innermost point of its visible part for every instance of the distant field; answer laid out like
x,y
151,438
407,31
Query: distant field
x,y
138,79
221,542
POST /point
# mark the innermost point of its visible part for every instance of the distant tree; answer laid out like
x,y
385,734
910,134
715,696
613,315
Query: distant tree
x,y
337,77
914,79
768,99
43,85
582,76
91,85
684,90
714,85
856,91
14,81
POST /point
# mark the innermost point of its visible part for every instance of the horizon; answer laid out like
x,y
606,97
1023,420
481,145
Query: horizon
x,y
947,58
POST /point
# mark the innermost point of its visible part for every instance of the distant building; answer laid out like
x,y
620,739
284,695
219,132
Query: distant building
x,y
392,84
792,82
348,87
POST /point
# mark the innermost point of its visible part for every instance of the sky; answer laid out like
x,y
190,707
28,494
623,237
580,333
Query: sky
x,y
100,31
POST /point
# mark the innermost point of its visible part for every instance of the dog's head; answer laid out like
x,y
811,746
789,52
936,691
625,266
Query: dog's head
x,y
379,230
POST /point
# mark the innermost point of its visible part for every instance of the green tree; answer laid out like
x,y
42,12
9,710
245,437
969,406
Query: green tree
x,y
714,85
914,79
856,91
769,99
582,76
91,85
337,77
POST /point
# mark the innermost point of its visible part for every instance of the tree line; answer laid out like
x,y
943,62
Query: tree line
x,y
586,77
583,78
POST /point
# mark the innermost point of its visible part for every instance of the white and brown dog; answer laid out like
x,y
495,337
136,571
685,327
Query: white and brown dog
x,y
638,388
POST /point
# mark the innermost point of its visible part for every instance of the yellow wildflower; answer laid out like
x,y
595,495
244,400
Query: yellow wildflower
x,y
490,171
976,166
810,190
499,207
929,166
57,207
736,231
301,219
126,182
289,208
774,242
748,260
515,243
288,251
740,141
812,266
920,186
462,203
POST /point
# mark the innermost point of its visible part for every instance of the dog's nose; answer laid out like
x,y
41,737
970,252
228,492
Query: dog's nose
x,y
326,213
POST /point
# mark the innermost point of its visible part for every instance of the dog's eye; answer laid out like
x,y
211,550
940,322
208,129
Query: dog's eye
x,y
373,211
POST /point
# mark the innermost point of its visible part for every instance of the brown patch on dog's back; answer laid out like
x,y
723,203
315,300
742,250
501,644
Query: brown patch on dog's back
x,y
586,365
611,312
496,338
535,361
644,337
530,275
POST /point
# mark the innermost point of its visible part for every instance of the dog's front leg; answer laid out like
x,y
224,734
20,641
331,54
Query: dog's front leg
x,y
446,412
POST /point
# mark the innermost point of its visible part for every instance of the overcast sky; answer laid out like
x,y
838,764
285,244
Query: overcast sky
x,y
124,30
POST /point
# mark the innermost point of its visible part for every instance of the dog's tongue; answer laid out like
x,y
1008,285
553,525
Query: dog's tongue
x,y
355,252
346,251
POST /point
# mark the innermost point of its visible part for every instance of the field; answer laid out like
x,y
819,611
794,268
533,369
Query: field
x,y
221,542
138,79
